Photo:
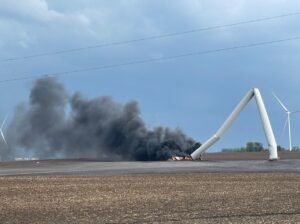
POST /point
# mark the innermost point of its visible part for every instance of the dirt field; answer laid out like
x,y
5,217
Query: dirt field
x,y
250,155
152,198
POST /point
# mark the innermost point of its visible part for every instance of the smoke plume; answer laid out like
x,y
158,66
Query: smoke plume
x,y
54,124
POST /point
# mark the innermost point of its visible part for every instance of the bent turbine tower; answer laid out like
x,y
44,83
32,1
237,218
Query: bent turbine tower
x,y
232,117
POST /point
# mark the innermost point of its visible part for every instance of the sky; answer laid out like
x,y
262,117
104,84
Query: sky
x,y
194,93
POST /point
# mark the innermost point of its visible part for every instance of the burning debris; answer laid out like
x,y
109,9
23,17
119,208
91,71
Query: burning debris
x,y
54,124
180,158
185,155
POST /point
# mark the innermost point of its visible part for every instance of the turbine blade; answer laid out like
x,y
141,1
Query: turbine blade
x,y
4,121
295,111
3,136
279,101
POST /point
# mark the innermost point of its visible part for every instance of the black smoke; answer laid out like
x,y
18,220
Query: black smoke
x,y
54,124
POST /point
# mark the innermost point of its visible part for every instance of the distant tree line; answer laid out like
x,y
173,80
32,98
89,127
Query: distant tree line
x,y
254,147
296,148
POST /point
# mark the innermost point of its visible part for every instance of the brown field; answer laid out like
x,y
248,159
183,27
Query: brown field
x,y
250,155
152,198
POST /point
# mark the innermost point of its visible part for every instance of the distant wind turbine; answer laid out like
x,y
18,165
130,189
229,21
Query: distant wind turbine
x,y
288,120
1,129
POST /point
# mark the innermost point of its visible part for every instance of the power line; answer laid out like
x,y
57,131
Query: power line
x,y
144,61
65,51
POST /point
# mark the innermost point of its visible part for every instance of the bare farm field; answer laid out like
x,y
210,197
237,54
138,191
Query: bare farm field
x,y
152,198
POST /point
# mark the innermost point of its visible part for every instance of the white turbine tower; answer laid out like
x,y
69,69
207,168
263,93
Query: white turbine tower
x,y
288,120
1,129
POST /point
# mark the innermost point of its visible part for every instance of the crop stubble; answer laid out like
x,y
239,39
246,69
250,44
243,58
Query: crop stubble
x,y
152,198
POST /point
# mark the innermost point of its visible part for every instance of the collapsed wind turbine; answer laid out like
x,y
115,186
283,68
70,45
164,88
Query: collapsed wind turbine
x,y
288,119
253,93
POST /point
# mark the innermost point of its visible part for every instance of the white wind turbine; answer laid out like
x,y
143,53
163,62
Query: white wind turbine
x,y
288,120
1,130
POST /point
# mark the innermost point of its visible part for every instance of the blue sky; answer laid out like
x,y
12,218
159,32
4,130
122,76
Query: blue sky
x,y
193,93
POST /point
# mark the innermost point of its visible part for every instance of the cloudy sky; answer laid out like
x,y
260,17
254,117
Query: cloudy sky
x,y
194,93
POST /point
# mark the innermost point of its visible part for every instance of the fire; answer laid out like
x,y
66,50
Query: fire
x,y
180,158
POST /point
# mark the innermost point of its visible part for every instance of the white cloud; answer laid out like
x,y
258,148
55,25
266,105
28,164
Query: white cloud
x,y
23,23
206,11
37,10
97,21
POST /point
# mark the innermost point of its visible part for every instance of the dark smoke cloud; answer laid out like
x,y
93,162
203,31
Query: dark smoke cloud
x,y
55,125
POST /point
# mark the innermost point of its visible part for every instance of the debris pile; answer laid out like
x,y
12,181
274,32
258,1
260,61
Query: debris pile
x,y
180,158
